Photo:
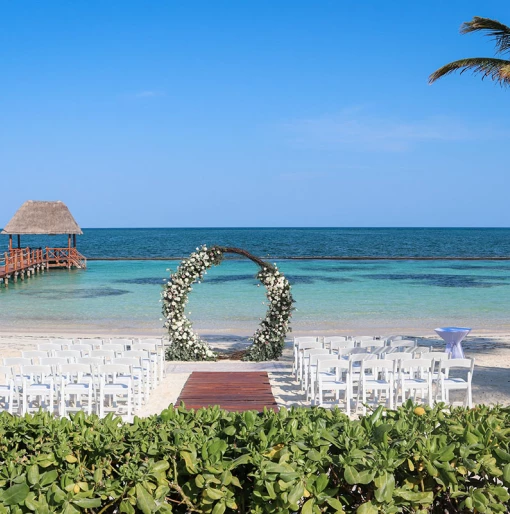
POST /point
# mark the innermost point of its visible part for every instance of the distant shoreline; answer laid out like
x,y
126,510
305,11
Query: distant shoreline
x,y
318,258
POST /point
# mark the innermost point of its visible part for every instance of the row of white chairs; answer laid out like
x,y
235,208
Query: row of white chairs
x,y
137,358
87,347
67,387
308,351
145,359
307,367
339,343
397,379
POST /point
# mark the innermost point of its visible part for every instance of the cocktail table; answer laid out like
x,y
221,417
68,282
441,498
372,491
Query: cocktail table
x,y
453,337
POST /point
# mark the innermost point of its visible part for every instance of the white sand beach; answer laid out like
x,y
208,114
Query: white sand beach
x,y
491,381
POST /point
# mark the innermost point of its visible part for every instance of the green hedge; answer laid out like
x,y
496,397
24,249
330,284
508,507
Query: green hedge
x,y
302,460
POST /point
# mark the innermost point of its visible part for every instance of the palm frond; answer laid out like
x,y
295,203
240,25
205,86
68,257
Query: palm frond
x,y
497,69
499,32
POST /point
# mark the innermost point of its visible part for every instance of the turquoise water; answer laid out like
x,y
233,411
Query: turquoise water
x,y
330,296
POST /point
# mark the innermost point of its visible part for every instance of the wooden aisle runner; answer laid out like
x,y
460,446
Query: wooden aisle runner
x,y
237,391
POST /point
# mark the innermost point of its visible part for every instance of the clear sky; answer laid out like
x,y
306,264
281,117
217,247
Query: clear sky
x,y
251,113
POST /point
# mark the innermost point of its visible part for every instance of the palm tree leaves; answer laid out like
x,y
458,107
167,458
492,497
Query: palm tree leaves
x,y
496,69
499,32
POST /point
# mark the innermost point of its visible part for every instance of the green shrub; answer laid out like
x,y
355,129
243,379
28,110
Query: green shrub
x,y
299,460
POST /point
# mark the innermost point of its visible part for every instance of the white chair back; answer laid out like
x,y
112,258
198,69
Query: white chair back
x,y
17,361
37,373
69,354
107,355
85,349
337,345
34,355
62,342
91,361
49,347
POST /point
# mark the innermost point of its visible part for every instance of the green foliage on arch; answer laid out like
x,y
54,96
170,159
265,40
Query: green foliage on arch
x,y
186,345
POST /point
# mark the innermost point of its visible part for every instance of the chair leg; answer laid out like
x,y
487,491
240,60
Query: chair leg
x,y
469,397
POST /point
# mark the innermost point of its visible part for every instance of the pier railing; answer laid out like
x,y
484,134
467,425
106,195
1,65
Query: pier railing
x,y
65,256
19,260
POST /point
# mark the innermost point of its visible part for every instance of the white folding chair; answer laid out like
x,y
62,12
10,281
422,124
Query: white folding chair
x,y
160,346
359,339
8,390
107,355
85,349
355,358
154,357
403,345
397,358
310,368
372,343
115,384
34,355
337,345
37,383
126,343
298,340
54,363
49,347
415,375
16,363
333,375
115,348
448,383
91,361
76,384
439,356
301,348
139,377
328,340
377,376
94,342
388,339
351,350
71,355
146,365
64,343
436,358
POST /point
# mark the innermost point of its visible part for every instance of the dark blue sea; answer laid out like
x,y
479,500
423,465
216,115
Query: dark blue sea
x,y
290,242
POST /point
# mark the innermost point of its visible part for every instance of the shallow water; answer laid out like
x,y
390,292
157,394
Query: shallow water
x,y
330,296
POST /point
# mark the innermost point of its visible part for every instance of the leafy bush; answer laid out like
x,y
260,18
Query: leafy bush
x,y
301,460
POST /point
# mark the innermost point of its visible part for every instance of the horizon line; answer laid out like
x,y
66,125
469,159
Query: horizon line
x,y
295,227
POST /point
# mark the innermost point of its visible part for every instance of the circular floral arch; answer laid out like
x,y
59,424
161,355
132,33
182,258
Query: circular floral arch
x,y
268,340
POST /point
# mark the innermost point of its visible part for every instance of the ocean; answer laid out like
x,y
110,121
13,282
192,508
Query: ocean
x,y
337,295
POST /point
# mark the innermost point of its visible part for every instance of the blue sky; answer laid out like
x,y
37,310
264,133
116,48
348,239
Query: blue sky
x,y
251,113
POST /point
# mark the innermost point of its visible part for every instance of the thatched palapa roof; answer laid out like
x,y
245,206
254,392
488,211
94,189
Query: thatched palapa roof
x,y
35,217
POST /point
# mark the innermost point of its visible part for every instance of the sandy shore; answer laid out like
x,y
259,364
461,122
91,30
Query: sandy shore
x,y
491,381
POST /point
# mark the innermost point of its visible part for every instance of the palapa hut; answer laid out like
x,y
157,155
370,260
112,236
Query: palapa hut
x,y
42,218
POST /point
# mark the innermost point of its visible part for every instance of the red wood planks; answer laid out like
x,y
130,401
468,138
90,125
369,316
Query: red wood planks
x,y
237,391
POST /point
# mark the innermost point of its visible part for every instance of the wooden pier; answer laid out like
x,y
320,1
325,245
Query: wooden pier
x,y
19,263
40,218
